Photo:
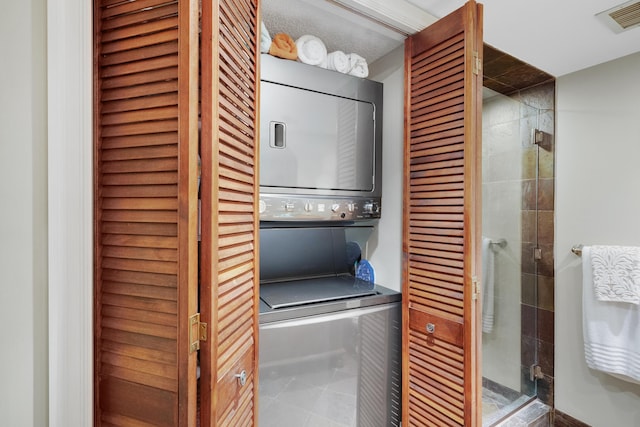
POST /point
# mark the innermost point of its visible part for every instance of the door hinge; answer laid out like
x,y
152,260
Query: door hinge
x,y
197,332
537,254
535,372
477,63
476,287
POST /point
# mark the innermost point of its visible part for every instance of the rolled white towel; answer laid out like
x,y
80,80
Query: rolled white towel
x,y
338,61
359,67
311,50
265,39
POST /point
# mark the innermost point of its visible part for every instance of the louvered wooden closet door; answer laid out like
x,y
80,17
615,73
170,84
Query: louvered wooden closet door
x,y
229,150
145,211
441,384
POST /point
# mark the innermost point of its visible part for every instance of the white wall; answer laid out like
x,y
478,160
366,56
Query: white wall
x,y
23,214
45,214
384,248
597,202
70,172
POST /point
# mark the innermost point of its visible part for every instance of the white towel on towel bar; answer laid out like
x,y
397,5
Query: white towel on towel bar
x,y
610,329
488,285
616,273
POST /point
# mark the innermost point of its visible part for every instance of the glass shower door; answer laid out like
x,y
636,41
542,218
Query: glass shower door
x,y
509,250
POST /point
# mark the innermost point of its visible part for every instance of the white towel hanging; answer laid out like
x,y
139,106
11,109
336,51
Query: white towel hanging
x,y
616,273
611,332
488,285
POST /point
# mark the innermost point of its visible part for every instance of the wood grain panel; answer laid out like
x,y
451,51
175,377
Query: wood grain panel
x,y
146,149
441,226
229,223
144,342
122,404
144,304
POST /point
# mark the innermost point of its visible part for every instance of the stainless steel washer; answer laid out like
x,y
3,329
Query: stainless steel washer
x,y
330,344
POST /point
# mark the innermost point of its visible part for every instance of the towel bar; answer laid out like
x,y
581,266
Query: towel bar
x,y
577,249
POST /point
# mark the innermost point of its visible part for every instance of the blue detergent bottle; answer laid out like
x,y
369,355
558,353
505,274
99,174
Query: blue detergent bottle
x,y
364,271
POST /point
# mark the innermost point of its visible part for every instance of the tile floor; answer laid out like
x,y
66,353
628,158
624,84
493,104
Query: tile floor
x,y
328,399
496,406
310,398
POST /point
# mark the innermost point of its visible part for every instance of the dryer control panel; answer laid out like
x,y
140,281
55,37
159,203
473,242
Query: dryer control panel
x,y
303,208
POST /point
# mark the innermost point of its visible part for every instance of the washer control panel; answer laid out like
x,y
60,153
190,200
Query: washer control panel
x,y
274,207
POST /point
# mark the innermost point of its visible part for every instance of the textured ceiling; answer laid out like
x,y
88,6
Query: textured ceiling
x,y
558,37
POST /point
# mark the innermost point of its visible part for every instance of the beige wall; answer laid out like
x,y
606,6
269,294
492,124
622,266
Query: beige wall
x,y
597,202
23,214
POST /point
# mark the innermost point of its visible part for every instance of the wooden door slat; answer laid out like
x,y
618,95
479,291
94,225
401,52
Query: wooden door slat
x,y
137,7
127,19
140,41
139,66
131,81
141,165
146,28
147,52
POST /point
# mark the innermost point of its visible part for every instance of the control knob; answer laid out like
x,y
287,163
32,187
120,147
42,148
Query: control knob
x,y
371,208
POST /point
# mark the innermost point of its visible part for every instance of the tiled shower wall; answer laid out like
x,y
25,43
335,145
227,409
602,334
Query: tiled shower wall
x,y
537,281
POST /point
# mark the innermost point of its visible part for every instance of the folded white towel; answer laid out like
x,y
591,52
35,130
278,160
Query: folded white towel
x,y
338,61
488,285
311,50
358,64
616,273
265,39
610,329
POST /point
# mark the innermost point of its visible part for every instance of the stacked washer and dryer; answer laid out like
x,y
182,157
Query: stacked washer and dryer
x,y
330,341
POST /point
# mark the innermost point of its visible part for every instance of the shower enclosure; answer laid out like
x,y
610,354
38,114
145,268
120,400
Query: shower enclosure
x,y
517,224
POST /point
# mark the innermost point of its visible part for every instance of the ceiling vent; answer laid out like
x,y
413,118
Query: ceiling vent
x,y
622,17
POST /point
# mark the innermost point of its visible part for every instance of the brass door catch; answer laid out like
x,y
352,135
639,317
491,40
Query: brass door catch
x,y
197,332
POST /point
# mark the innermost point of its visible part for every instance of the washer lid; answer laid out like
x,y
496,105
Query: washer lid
x,y
308,291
